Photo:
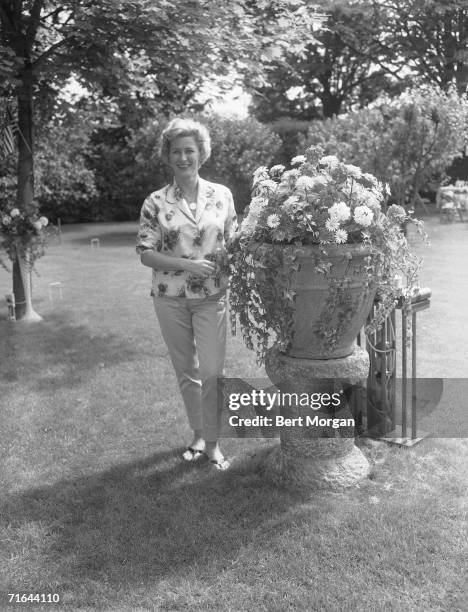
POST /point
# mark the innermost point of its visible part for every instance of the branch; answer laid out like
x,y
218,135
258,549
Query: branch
x,y
385,50
50,51
53,13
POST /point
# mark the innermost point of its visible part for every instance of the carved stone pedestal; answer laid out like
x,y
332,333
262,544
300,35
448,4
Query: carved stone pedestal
x,y
317,450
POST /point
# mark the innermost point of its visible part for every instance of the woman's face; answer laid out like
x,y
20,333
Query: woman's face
x,y
184,157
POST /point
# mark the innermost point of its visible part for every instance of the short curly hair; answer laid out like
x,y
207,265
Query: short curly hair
x,y
185,127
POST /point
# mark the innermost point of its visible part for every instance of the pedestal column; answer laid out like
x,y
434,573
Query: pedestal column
x,y
24,262
322,455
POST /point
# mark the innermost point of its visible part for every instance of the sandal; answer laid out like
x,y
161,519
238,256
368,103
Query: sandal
x,y
192,455
222,465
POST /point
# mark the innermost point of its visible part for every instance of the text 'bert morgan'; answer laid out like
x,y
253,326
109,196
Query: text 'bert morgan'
x,y
280,421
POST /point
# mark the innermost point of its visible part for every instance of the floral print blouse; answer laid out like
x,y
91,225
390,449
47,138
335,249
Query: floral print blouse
x,y
169,226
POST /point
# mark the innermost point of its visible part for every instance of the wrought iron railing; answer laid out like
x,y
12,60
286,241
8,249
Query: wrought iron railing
x,y
382,393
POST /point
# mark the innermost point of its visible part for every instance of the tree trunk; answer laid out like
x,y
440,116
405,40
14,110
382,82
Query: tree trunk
x,y
25,192
331,104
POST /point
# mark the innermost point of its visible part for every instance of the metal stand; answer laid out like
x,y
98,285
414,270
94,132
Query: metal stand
x,y
381,384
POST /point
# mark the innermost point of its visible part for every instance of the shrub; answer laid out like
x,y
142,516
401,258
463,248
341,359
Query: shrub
x,y
64,185
239,146
104,174
126,168
405,141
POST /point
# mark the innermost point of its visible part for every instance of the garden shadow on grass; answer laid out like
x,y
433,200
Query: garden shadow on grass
x,y
58,352
147,520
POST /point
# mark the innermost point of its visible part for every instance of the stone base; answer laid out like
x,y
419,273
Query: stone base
x,y
311,473
314,457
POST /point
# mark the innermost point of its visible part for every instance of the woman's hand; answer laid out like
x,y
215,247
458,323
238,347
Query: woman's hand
x,y
199,267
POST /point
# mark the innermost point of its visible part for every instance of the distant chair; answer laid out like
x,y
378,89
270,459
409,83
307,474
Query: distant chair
x,y
445,201
95,244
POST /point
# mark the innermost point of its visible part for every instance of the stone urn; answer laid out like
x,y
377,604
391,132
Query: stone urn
x,y
334,290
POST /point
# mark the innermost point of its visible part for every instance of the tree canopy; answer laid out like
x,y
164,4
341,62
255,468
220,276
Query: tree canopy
x,y
337,71
368,47
428,38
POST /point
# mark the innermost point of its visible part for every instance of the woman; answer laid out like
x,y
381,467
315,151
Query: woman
x,y
184,229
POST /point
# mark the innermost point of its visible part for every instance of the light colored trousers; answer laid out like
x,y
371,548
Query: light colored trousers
x,y
195,334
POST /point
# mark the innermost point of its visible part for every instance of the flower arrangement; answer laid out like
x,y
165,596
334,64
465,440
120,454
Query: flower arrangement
x,y
21,232
324,202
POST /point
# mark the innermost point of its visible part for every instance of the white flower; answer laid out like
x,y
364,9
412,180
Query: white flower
x,y
353,171
299,159
291,202
330,160
370,178
290,176
248,224
372,201
273,220
266,186
257,204
276,170
396,213
363,215
341,236
44,221
14,212
305,182
37,225
6,220
260,173
340,212
332,225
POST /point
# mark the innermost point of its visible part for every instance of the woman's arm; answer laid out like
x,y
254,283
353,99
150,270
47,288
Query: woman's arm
x,y
160,261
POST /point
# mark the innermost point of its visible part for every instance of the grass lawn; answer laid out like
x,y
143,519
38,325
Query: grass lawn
x,y
96,505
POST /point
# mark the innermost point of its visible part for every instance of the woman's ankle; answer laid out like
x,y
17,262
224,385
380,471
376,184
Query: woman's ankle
x,y
198,442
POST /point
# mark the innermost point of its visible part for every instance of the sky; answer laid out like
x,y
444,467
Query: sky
x,y
234,103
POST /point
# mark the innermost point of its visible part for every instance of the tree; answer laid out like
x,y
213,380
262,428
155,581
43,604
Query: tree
x,y
404,141
338,72
141,50
428,38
